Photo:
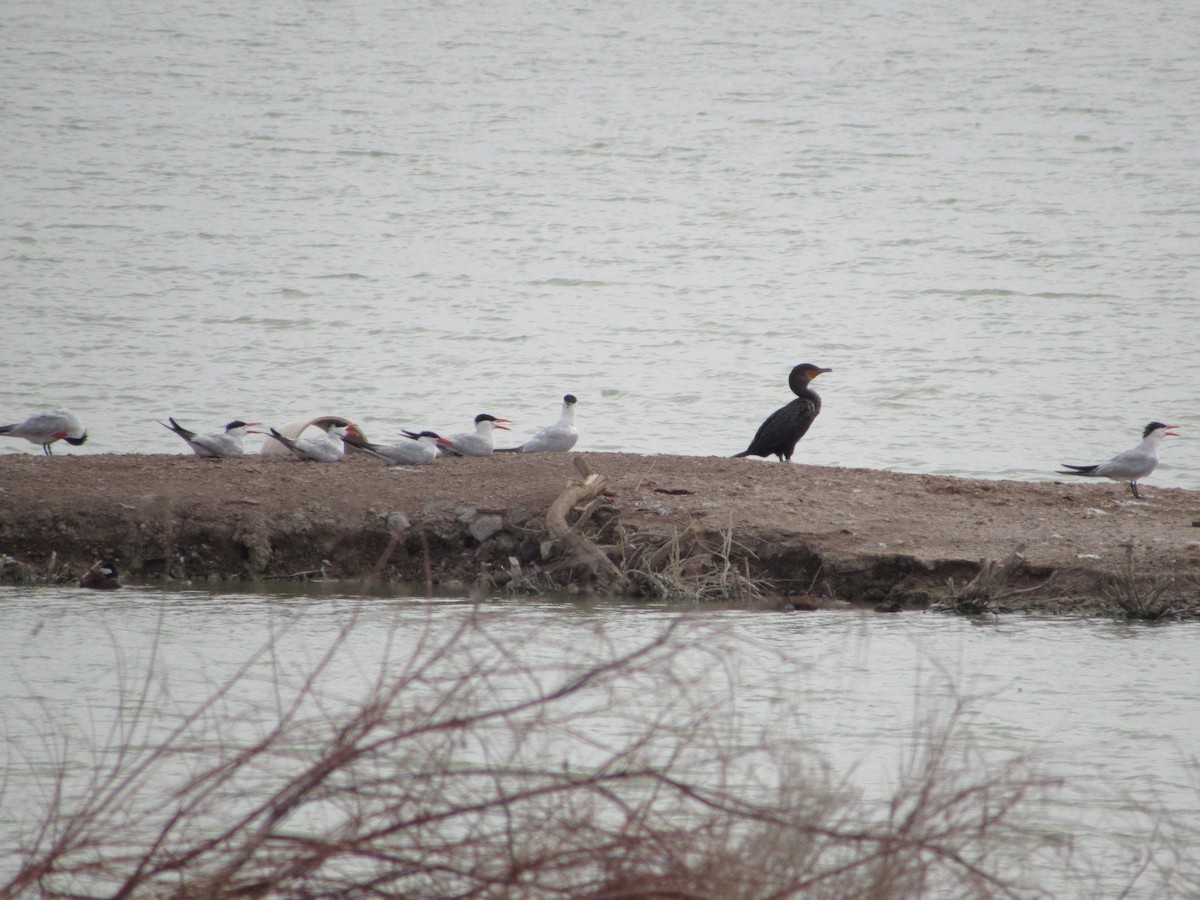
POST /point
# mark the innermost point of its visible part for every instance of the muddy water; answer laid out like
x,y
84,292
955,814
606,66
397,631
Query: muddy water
x,y
1111,709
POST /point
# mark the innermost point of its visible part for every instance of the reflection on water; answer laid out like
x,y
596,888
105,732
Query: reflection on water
x,y
1108,708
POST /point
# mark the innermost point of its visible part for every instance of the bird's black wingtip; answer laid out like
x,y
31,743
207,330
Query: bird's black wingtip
x,y
1068,469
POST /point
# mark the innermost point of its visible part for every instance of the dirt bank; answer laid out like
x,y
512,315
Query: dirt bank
x,y
733,527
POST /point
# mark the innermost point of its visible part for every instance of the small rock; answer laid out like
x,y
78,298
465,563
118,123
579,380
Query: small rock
x,y
397,523
466,513
484,527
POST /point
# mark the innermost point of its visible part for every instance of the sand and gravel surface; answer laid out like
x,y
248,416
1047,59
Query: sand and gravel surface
x,y
854,534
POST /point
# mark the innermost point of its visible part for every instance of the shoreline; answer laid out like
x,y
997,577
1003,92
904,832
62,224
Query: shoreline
x,y
731,530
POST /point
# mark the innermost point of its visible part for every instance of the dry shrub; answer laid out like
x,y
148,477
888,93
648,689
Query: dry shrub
x,y
691,565
989,587
1136,596
473,765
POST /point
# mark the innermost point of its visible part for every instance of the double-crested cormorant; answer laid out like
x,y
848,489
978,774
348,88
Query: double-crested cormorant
x,y
1130,465
47,427
409,452
557,438
216,444
784,427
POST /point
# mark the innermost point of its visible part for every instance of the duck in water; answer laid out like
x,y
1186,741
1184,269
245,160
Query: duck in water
x,y
101,577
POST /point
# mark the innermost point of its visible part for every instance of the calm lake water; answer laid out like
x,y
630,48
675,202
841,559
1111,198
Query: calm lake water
x,y
984,220
1110,709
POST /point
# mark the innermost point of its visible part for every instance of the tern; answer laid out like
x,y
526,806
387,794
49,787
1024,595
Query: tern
x,y
215,444
47,427
782,429
557,438
479,442
328,447
409,452
1130,465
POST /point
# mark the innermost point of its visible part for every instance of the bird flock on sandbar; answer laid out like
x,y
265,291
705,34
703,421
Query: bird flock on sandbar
x,y
328,445
777,436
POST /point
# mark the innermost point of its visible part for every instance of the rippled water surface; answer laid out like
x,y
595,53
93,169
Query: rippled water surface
x,y
1111,709
983,219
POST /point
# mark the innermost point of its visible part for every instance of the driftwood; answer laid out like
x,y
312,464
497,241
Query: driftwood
x,y
397,523
576,544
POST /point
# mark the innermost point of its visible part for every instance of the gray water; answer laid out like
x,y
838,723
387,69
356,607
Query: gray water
x,y
1110,709
983,219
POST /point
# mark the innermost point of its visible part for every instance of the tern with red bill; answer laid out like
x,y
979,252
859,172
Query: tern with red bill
x,y
47,427
225,444
1130,465
412,451
327,447
479,442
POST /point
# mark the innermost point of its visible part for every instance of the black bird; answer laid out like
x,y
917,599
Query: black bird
x,y
783,428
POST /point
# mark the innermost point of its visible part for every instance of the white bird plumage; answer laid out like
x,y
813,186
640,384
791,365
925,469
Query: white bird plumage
x,y
47,427
416,451
326,447
225,444
479,442
557,438
1131,465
